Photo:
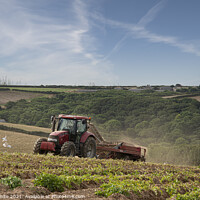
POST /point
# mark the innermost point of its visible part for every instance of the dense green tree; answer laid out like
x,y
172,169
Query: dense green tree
x,y
112,125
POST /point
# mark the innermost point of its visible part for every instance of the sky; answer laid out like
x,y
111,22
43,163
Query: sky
x,y
100,42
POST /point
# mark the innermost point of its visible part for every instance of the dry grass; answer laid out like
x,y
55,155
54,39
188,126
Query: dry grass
x,y
176,96
19,142
197,98
7,96
26,127
170,97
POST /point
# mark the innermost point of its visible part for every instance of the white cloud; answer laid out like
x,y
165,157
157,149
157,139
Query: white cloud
x,y
38,48
43,50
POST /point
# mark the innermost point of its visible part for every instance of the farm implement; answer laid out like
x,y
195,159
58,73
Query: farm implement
x,y
77,136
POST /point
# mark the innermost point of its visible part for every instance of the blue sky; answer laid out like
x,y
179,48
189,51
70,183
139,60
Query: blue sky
x,y
100,42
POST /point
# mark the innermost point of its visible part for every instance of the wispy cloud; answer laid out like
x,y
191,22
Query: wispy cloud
x,y
152,13
41,47
45,48
139,31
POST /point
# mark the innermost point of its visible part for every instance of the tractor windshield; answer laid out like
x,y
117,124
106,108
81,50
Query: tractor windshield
x,y
67,124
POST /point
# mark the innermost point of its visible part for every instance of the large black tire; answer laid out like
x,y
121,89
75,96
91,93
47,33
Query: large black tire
x,y
68,149
89,148
36,148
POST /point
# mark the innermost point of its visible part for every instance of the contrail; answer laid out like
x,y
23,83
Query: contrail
x,y
147,18
152,13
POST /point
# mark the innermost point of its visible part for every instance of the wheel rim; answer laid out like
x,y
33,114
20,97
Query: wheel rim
x,y
89,150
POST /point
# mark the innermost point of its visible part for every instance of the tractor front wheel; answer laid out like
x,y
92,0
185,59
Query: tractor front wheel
x,y
89,148
68,149
36,148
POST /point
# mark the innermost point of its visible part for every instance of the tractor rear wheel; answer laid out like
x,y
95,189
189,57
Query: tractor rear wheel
x,y
36,148
89,148
68,149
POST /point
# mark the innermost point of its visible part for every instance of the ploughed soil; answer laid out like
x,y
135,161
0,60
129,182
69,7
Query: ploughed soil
x,y
29,191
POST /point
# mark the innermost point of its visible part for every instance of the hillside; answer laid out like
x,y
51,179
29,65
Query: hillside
x,y
167,127
56,177
75,178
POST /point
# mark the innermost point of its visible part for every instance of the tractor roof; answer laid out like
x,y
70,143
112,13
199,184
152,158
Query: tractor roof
x,y
73,117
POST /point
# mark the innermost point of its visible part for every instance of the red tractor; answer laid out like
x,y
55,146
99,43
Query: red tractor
x,y
71,138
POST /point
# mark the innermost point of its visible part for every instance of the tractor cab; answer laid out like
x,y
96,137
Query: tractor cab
x,y
72,127
72,124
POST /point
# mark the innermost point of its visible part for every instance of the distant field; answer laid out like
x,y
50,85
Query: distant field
x,y
173,96
179,96
38,89
6,96
197,98
19,142
26,127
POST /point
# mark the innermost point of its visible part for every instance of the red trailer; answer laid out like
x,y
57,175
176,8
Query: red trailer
x,y
121,151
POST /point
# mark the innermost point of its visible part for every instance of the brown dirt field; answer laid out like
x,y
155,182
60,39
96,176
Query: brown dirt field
x,y
19,142
173,96
28,191
197,98
6,96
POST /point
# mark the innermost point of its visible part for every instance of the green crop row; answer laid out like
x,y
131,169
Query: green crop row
x,y
108,176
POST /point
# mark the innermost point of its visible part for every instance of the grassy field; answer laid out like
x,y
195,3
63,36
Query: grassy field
x,y
38,89
20,142
7,96
197,98
26,127
179,96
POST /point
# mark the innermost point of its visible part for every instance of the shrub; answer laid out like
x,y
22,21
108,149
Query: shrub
x,y
50,181
12,181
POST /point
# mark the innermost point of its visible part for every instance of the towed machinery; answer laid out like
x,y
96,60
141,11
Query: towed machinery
x,y
77,136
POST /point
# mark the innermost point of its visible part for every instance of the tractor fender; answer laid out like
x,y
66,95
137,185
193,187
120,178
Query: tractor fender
x,y
85,136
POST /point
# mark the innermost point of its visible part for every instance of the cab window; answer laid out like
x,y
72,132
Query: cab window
x,y
81,126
